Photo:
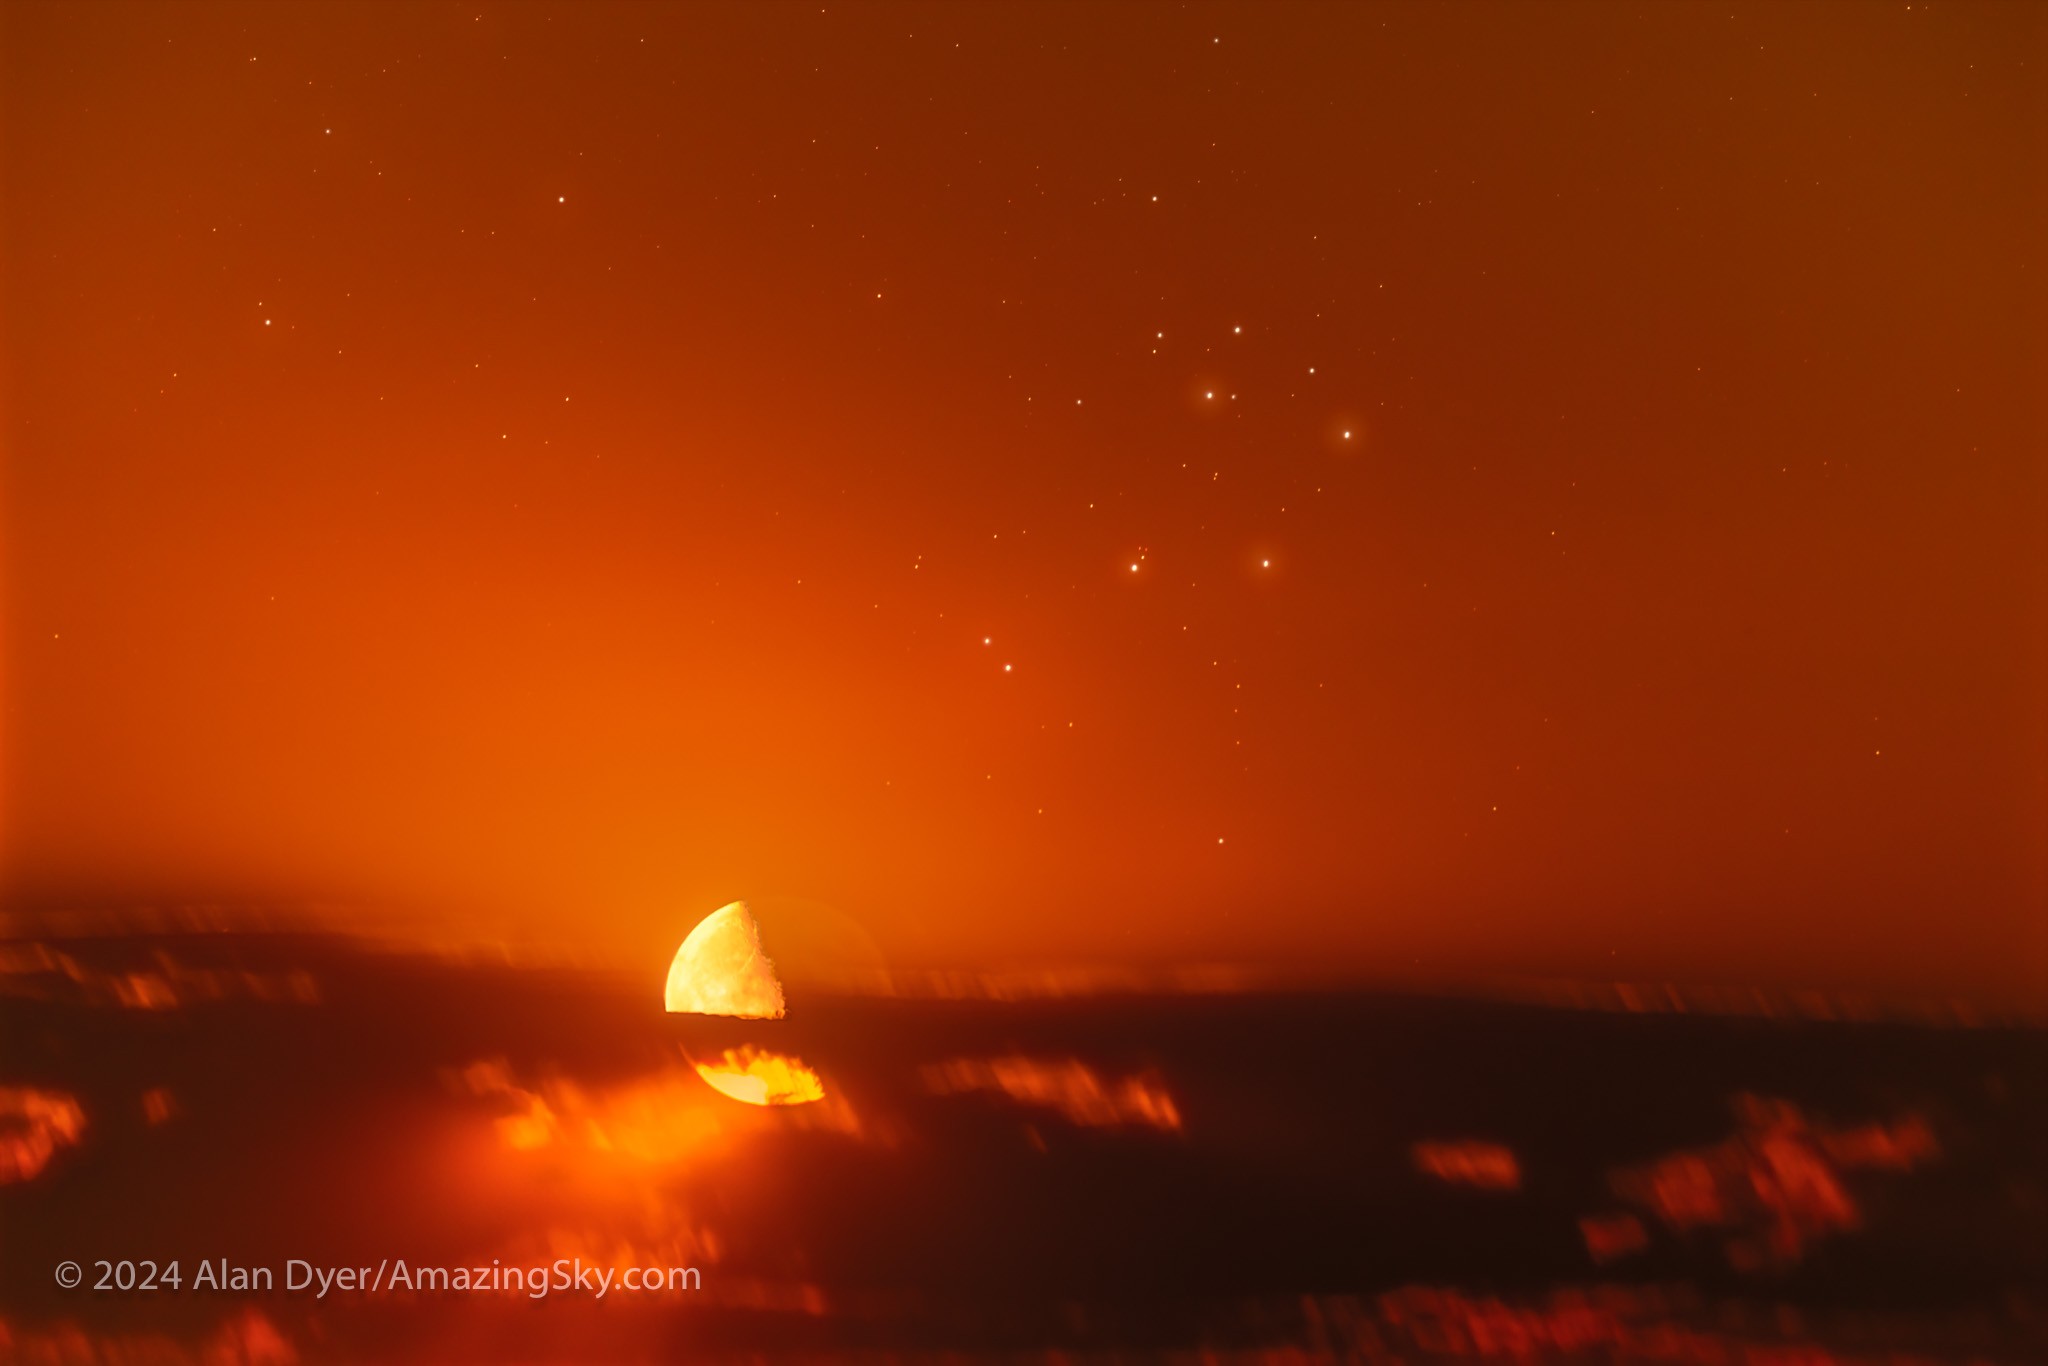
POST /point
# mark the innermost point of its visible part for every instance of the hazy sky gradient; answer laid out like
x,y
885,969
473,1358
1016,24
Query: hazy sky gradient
x,y
560,464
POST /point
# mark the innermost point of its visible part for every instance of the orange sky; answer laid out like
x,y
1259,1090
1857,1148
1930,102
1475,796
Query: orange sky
x,y
560,464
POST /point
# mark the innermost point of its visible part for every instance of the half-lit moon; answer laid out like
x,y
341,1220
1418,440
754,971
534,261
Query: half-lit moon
x,y
721,970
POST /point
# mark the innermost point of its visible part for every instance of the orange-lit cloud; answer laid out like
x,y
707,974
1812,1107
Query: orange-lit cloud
x,y
1772,1189
662,1117
1610,1237
1469,1162
245,1337
43,972
33,1126
1076,1091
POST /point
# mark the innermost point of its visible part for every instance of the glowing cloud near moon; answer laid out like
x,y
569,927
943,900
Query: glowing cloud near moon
x,y
722,970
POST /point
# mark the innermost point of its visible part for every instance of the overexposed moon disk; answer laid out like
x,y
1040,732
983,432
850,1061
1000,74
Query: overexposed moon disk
x,y
721,970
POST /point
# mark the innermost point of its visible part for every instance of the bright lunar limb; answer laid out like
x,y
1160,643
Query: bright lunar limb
x,y
721,970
